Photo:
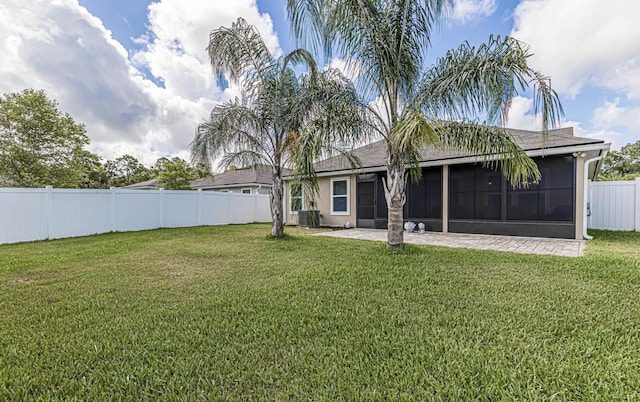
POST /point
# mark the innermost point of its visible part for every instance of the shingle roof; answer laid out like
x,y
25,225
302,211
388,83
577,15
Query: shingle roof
x,y
152,184
374,155
259,174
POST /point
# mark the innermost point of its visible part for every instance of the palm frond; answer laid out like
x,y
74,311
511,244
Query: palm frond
x,y
239,53
243,158
232,127
471,82
411,135
494,146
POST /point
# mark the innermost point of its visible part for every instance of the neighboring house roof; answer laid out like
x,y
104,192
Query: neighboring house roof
x,y
259,175
152,184
374,156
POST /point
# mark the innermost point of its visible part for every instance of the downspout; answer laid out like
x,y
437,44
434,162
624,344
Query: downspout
x,y
586,192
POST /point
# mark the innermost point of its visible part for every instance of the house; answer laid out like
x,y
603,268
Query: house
x,y
251,180
456,194
152,184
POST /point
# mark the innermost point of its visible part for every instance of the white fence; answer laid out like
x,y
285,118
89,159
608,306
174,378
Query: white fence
x,y
47,213
615,205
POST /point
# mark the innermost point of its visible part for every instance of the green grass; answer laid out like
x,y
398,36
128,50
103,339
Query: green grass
x,y
225,313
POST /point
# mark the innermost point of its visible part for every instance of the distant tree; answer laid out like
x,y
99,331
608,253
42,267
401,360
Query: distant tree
x,y
158,167
623,164
176,174
39,145
126,170
95,175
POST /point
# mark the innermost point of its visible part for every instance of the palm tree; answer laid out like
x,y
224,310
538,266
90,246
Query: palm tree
x,y
457,103
282,119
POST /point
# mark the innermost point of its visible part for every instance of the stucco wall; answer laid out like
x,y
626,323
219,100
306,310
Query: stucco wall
x,y
323,204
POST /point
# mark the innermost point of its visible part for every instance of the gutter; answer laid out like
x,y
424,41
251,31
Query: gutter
x,y
600,157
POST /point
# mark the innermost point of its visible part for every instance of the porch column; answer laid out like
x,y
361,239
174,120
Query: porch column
x,y
445,199
580,201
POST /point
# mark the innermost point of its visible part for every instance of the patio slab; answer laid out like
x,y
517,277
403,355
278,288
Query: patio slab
x,y
513,244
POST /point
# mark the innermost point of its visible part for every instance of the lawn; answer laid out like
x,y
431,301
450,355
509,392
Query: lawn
x,y
225,313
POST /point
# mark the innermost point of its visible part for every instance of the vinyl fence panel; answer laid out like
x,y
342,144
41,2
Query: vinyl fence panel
x,y
78,213
23,215
138,210
215,208
615,205
180,209
38,214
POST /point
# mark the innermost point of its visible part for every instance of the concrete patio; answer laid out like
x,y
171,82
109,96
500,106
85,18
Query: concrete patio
x,y
523,245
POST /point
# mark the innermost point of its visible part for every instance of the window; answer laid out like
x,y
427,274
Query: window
x,y
340,196
246,191
295,197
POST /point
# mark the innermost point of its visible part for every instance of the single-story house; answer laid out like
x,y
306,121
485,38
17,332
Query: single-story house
x,y
456,194
251,180
152,184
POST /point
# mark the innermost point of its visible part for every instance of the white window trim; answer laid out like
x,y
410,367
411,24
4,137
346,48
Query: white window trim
x,y
291,211
248,188
348,195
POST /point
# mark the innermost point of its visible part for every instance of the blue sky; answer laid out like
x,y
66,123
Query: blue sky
x,y
136,73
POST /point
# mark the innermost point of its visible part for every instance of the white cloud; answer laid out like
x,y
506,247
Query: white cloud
x,y
610,116
583,43
60,47
615,138
468,10
605,120
521,115
178,37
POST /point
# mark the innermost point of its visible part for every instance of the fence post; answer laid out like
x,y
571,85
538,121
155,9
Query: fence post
x,y
637,209
199,207
48,210
113,209
230,202
161,208
255,207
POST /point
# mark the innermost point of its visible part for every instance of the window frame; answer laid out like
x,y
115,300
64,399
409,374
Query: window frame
x,y
346,179
245,189
291,197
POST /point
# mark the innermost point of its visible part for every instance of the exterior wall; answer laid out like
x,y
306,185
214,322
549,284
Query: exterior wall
x,y
562,227
323,203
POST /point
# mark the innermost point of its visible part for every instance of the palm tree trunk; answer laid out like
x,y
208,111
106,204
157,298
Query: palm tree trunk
x,y
394,192
277,227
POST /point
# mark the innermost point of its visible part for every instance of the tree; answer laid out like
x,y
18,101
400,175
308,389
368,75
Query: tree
x,y
282,118
95,175
456,103
623,164
39,145
176,174
159,165
126,170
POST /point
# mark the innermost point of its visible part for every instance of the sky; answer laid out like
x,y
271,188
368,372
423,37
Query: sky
x,y
136,72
